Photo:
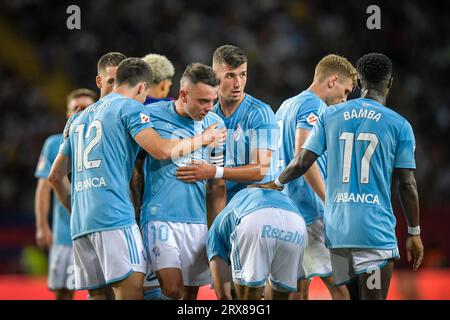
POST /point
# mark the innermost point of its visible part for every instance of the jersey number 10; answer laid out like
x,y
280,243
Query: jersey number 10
x,y
349,138
82,156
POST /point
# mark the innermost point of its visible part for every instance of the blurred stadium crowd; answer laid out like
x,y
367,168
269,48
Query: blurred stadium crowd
x,y
41,61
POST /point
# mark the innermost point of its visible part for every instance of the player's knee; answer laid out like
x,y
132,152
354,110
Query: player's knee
x,y
174,292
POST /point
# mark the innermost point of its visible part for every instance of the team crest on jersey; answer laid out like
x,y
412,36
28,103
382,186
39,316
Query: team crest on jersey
x,y
145,118
312,119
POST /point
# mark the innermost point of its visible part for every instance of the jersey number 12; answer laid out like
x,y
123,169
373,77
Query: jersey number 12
x,y
82,156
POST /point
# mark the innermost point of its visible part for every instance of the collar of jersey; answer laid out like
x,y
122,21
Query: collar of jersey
x,y
244,101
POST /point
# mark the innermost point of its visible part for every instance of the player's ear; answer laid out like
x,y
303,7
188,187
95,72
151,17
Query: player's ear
x,y
332,81
142,88
98,81
183,95
390,82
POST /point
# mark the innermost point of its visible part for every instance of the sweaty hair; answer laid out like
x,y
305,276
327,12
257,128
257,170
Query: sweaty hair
x,y
229,55
131,71
374,67
83,92
110,59
162,68
334,64
198,72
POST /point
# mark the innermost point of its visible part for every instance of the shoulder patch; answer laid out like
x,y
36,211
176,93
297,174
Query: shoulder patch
x,y
144,118
41,163
311,119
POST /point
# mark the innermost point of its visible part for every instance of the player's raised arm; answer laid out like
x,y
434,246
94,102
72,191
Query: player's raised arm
x,y
409,200
296,168
163,149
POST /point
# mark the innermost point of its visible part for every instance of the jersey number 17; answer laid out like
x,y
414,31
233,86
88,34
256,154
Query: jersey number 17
x,y
349,138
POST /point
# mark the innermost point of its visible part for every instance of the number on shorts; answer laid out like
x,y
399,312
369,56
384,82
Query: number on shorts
x,y
163,233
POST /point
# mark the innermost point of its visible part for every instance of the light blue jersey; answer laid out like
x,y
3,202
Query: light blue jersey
x,y
103,151
61,217
365,142
300,111
166,198
245,202
252,126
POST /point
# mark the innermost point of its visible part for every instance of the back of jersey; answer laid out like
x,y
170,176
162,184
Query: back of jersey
x,y
103,152
365,142
300,112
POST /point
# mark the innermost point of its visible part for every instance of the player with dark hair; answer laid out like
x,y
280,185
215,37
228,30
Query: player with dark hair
x,y
174,213
367,143
252,129
100,151
106,71
57,238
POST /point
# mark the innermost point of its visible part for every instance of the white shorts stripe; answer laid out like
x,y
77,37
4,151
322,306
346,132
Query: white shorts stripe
x,y
133,246
130,250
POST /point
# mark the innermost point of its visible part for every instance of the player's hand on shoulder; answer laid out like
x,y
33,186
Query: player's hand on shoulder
x,y
414,249
268,185
199,170
213,137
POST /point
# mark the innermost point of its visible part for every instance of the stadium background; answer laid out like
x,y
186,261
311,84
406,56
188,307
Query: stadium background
x,y
41,61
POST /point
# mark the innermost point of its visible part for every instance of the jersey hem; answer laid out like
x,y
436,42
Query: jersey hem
x,y
84,233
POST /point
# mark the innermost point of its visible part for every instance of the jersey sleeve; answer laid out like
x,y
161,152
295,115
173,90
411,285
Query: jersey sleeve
x,y
264,131
135,117
218,243
316,141
404,153
308,114
65,146
44,163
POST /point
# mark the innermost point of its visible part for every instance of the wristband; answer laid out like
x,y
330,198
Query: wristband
x,y
219,173
278,183
414,231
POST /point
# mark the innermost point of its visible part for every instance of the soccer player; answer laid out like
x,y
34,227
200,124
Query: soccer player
x,y
100,150
106,71
367,143
174,213
334,78
163,72
57,238
263,236
252,130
